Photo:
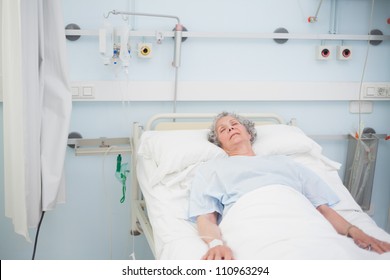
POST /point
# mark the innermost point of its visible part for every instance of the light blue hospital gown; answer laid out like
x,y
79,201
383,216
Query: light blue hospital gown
x,y
219,183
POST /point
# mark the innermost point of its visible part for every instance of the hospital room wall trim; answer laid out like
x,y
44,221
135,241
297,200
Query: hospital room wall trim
x,y
224,91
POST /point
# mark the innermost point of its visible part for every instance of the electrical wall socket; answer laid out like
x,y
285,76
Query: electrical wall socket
x,y
360,107
344,52
376,91
323,53
83,91
145,50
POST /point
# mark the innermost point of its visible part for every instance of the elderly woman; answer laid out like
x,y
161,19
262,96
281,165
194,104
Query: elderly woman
x,y
220,183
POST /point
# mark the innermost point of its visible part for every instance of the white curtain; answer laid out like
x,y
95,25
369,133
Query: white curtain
x,y
36,107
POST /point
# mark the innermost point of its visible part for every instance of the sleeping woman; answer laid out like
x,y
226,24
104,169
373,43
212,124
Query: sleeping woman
x,y
219,183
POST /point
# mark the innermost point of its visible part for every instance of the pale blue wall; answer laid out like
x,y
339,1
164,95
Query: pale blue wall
x,y
80,229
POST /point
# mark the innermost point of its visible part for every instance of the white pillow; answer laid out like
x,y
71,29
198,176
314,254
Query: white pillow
x,y
174,150
281,139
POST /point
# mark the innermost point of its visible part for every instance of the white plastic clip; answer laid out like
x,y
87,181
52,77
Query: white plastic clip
x,y
159,37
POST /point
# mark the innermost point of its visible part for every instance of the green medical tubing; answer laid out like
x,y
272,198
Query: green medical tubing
x,y
118,163
121,175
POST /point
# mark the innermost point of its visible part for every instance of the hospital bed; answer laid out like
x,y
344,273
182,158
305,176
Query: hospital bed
x,y
273,222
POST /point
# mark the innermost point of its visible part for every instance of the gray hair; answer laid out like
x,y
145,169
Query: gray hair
x,y
249,125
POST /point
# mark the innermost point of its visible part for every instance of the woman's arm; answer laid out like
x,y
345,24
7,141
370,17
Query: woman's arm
x,y
209,231
360,238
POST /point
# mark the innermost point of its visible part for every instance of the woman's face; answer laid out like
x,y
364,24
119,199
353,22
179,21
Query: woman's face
x,y
231,132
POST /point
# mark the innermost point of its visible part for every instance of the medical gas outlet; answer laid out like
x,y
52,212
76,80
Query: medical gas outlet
x,y
323,53
344,53
145,50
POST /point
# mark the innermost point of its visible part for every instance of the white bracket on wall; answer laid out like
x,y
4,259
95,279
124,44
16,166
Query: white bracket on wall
x,y
100,146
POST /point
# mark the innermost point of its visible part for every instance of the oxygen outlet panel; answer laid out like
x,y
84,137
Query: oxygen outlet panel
x,y
145,50
323,53
344,53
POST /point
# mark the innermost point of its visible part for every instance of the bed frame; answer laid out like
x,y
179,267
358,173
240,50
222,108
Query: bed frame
x,y
139,217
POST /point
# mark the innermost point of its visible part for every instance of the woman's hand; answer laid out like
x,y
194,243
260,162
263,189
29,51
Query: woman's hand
x,y
208,228
368,242
360,238
221,252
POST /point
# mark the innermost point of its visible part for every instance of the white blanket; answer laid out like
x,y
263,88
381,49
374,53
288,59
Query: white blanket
x,y
277,222
273,222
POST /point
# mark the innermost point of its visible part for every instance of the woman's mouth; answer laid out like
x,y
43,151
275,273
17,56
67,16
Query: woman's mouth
x,y
233,135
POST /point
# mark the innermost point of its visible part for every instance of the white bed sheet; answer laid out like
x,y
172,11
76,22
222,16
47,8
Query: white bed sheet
x,y
274,219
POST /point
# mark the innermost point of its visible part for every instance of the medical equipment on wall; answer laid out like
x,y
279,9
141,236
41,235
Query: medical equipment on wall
x,y
122,169
108,36
361,159
114,45
314,18
123,52
106,42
